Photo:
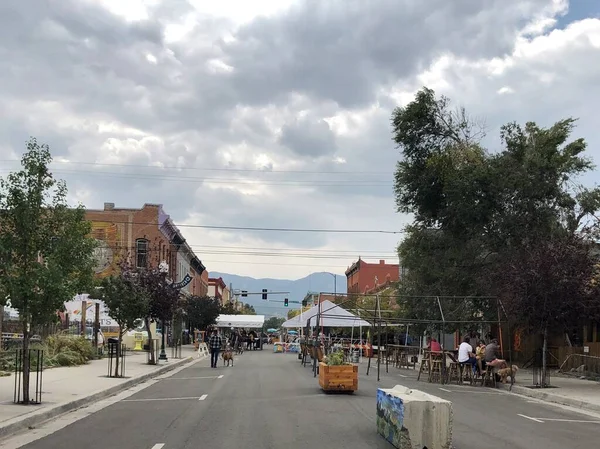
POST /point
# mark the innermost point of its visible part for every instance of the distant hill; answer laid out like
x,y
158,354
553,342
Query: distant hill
x,y
316,282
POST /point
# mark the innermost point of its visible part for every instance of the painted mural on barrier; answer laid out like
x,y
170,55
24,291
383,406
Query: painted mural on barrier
x,y
390,420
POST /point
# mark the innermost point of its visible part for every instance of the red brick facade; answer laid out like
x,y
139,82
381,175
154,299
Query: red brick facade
x,y
362,276
144,236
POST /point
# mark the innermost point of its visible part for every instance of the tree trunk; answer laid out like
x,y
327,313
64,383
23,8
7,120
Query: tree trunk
x,y
569,344
544,358
150,342
118,351
26,364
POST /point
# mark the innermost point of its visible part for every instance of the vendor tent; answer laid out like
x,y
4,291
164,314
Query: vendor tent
x,y
253,321
331,316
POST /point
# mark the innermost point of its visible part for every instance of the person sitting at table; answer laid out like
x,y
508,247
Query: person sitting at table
x,y
466,355
480,356
491,354
433,345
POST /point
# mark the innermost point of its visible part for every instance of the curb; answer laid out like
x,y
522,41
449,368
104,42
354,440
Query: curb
x,y
59,409
553,398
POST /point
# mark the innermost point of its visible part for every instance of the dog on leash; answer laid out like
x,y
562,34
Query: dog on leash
x,y
511,372
228,356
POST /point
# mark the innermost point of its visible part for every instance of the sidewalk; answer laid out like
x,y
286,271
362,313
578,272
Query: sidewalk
x,y
68,388
570,391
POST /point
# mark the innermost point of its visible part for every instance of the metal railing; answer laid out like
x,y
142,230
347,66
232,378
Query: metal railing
x,y
36,368
581,365
116,355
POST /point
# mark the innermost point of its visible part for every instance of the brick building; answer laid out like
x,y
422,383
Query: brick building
x,y
362,276
145,237
216,289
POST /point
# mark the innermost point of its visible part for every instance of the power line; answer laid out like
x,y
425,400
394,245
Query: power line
x,y
238,181
390,255
266,248
246,228
224,169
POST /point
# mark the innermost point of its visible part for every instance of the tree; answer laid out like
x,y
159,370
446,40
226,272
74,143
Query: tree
x,y
46,256
273,323
549,284
126,305
229,309
247,309
202,311
161,297
474,210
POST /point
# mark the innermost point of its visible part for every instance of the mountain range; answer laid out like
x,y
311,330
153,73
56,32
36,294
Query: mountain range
x,y
316,282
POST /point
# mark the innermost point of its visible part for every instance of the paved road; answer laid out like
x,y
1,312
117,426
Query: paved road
x,y
269,401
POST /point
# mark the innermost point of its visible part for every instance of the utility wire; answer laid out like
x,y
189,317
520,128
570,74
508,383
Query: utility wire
x,y
238,181
246,228
223,169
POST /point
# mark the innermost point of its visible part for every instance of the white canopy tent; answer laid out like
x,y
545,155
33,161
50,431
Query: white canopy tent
x,y
331,316
249,321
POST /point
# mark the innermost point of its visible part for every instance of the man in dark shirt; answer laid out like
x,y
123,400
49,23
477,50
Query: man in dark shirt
x,y
215,347
491,354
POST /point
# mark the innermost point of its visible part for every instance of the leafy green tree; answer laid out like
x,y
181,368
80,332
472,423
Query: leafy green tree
x,y
473,210
46,256
162,299
548,284
126,305
247,309
273,323
202,311
229,309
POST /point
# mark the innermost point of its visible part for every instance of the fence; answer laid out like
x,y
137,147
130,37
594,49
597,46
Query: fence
x,y
581,365
36,367
116,355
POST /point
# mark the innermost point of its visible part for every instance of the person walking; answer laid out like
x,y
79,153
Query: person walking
x,y
215,347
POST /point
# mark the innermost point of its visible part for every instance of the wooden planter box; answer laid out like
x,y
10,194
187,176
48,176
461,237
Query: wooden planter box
x,y
338,377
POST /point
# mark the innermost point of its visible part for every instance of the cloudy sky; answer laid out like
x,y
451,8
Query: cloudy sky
x,y
275,113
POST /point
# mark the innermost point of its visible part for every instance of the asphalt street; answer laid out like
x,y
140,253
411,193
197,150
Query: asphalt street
x,y
270,401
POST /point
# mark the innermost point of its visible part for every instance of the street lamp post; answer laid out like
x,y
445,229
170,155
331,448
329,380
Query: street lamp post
x,y
163,267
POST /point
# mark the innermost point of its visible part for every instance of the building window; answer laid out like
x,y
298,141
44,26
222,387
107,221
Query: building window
x,y
141,253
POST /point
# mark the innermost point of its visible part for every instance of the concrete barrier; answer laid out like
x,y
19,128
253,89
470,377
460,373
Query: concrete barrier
x,y
411,419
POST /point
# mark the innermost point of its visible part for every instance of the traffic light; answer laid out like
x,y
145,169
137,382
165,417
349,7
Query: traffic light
x,y
285,302
264,294
244,293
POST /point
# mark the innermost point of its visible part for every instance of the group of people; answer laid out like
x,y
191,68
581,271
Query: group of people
x,y
236,340
485,354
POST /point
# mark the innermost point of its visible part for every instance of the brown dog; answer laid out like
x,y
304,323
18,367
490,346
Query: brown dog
x,y
227,357
504,373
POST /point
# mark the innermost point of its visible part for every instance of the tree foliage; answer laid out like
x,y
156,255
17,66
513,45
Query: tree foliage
x,y
126,305
202,311
477,214
46,256
162,300
274,322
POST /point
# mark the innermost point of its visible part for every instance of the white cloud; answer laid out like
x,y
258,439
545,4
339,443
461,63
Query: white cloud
x,y
275,113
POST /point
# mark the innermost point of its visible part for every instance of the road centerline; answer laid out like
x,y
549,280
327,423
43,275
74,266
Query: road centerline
x,y
160,399
529,417
191,378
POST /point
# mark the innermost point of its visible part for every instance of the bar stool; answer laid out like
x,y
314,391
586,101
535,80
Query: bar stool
x,y
425,365
454,373
436,372
469,375
488,376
